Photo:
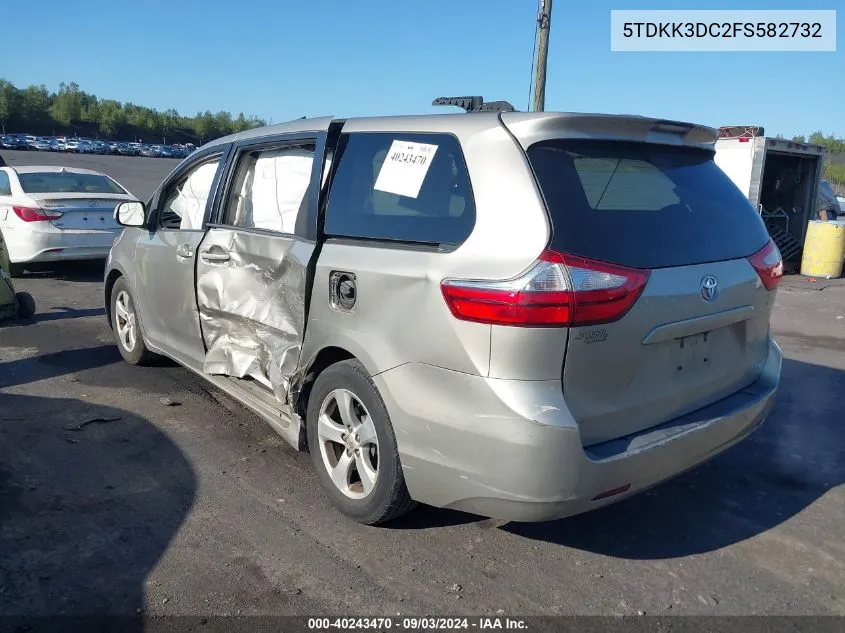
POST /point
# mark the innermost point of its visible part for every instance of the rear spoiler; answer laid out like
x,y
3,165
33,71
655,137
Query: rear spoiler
x,y
529,128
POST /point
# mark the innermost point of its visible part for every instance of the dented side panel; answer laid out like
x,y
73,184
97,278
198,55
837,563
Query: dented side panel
x,y
252,305
253,264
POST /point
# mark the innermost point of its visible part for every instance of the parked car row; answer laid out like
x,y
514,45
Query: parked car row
x,y
93,146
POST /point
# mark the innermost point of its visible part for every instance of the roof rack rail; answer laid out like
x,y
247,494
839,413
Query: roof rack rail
x,y
474,104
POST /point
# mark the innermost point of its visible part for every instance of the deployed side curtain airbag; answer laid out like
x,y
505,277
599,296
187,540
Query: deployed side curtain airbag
x,y
274,190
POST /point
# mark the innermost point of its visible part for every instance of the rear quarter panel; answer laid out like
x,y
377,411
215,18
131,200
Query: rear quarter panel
x,y
400,315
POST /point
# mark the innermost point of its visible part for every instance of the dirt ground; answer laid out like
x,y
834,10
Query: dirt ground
x,y
112,499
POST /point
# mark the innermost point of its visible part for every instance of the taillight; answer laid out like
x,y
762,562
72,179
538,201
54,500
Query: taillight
x,y
768,264
559,290
32,214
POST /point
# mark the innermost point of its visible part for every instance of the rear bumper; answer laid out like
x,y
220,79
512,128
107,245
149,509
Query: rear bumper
x,y
48,244
511,449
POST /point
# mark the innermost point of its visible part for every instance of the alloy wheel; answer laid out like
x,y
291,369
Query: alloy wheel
x,y
125,321
348,443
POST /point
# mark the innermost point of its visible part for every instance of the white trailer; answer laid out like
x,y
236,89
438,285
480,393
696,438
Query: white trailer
x,y
781,179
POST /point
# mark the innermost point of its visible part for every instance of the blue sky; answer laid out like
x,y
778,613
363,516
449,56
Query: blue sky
x,y
281,59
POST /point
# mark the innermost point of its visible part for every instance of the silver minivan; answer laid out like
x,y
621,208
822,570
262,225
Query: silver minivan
x,y
518,315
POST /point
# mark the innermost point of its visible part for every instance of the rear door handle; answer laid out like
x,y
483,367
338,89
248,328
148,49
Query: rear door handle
x,y
184,250
215,256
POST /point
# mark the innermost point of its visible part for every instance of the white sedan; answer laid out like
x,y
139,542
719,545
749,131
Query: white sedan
x,y
51,214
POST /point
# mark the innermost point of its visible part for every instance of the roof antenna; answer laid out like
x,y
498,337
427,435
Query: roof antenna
x,y
474,104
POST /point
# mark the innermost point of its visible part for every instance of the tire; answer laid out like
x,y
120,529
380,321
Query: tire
x,y
26,305
130,341
388,498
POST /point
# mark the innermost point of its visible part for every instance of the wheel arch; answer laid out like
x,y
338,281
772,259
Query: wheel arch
x,y
111,279
324,359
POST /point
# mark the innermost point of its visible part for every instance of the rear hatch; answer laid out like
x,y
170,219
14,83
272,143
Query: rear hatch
x,y
698,330
93,212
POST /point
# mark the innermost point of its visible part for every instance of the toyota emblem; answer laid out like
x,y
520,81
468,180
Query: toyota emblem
x,y
709,288
93,204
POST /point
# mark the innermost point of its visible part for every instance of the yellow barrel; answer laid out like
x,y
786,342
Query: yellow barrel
x,y
824,249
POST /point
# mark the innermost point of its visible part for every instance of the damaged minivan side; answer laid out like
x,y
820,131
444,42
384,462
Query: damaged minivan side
x,y
523,316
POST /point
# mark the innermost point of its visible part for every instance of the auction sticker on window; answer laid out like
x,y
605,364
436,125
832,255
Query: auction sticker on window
x,y
404,168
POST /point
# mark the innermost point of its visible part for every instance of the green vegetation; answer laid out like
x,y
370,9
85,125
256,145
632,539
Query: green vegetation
x,y
835,173
833,144
834,169
72,110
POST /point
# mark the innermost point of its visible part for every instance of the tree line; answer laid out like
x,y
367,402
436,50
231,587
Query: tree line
x,y
72,110
833,144
37,110
835,174
834,169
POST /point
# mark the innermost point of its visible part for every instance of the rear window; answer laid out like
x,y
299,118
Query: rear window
x,y
401,187
67,182
643,205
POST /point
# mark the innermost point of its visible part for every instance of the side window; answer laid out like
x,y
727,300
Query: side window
x,y
5,186
269,188
183,202
401,187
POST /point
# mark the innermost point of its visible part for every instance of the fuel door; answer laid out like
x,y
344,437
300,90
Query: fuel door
x,y
343,291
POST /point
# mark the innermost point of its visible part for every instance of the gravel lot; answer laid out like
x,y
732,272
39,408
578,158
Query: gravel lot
x,y
113,499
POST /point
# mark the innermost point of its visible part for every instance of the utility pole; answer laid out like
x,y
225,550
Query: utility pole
x,y
544,23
